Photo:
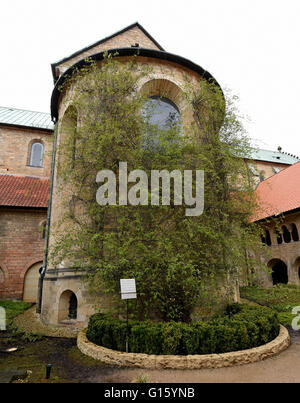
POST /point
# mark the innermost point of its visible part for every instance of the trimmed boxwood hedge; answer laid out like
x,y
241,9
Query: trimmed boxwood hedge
x,y
241,327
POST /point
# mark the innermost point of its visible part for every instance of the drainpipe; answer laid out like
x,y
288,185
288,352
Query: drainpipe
x,y
44,268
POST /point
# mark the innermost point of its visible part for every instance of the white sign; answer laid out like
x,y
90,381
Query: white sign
x,y
2,318
128,288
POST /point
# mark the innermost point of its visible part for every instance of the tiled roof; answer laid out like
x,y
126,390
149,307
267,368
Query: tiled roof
x,y
23,191
279,193
274,156
20,117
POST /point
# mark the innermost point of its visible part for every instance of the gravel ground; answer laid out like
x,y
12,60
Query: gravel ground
x,y
29,322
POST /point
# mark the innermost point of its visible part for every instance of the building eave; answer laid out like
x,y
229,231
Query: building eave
x,y
87,48
123,52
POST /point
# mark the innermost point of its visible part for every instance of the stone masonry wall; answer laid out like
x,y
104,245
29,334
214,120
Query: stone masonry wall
x,y
15,146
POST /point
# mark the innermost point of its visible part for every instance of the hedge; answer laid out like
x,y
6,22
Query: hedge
x,y
241,327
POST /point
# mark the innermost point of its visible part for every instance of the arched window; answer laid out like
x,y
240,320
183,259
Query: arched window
x,y
286,234
279,237
36,154
162,112
162,118
44,229
295,235
268,238
68,305
68,134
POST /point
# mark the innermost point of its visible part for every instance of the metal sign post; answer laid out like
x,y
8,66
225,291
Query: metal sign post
x,y
128,291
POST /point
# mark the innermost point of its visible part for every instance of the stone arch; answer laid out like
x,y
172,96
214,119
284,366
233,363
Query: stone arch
x,y
279,274
68,126
67,306
2,276
4,273
31,282
165,88
296,267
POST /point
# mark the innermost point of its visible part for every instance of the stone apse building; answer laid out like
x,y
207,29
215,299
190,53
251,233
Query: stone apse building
x,y
27,178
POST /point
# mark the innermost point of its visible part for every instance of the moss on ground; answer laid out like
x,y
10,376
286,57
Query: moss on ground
x,y
35,352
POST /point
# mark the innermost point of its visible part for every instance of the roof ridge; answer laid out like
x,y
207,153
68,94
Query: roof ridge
x,y
24,110
135,24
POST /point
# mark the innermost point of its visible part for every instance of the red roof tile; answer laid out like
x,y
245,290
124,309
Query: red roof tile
x,y
23,191
279,193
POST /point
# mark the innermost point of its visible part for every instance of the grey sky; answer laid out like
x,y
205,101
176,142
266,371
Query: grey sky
x,y
249,46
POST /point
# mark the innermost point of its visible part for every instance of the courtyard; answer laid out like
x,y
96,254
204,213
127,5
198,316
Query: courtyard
x,y
35,350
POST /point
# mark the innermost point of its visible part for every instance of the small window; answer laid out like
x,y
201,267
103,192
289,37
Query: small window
x,y
286,234
36,155
295,234
279,237
44,228
268,238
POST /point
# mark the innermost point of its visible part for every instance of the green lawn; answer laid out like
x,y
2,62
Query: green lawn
x,y
281,298
14,308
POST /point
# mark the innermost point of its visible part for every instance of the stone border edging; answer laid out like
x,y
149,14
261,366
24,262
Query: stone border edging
x,y
137,360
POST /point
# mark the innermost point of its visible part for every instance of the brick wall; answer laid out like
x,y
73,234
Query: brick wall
x,y
15,146
124,40
21,246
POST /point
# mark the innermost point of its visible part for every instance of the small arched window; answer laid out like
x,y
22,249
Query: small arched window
x,y
36,154
268,238
295,234
44,229
286,234
279,237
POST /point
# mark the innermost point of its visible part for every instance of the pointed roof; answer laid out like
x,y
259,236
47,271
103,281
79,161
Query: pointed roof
x,y
278,194
128,39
